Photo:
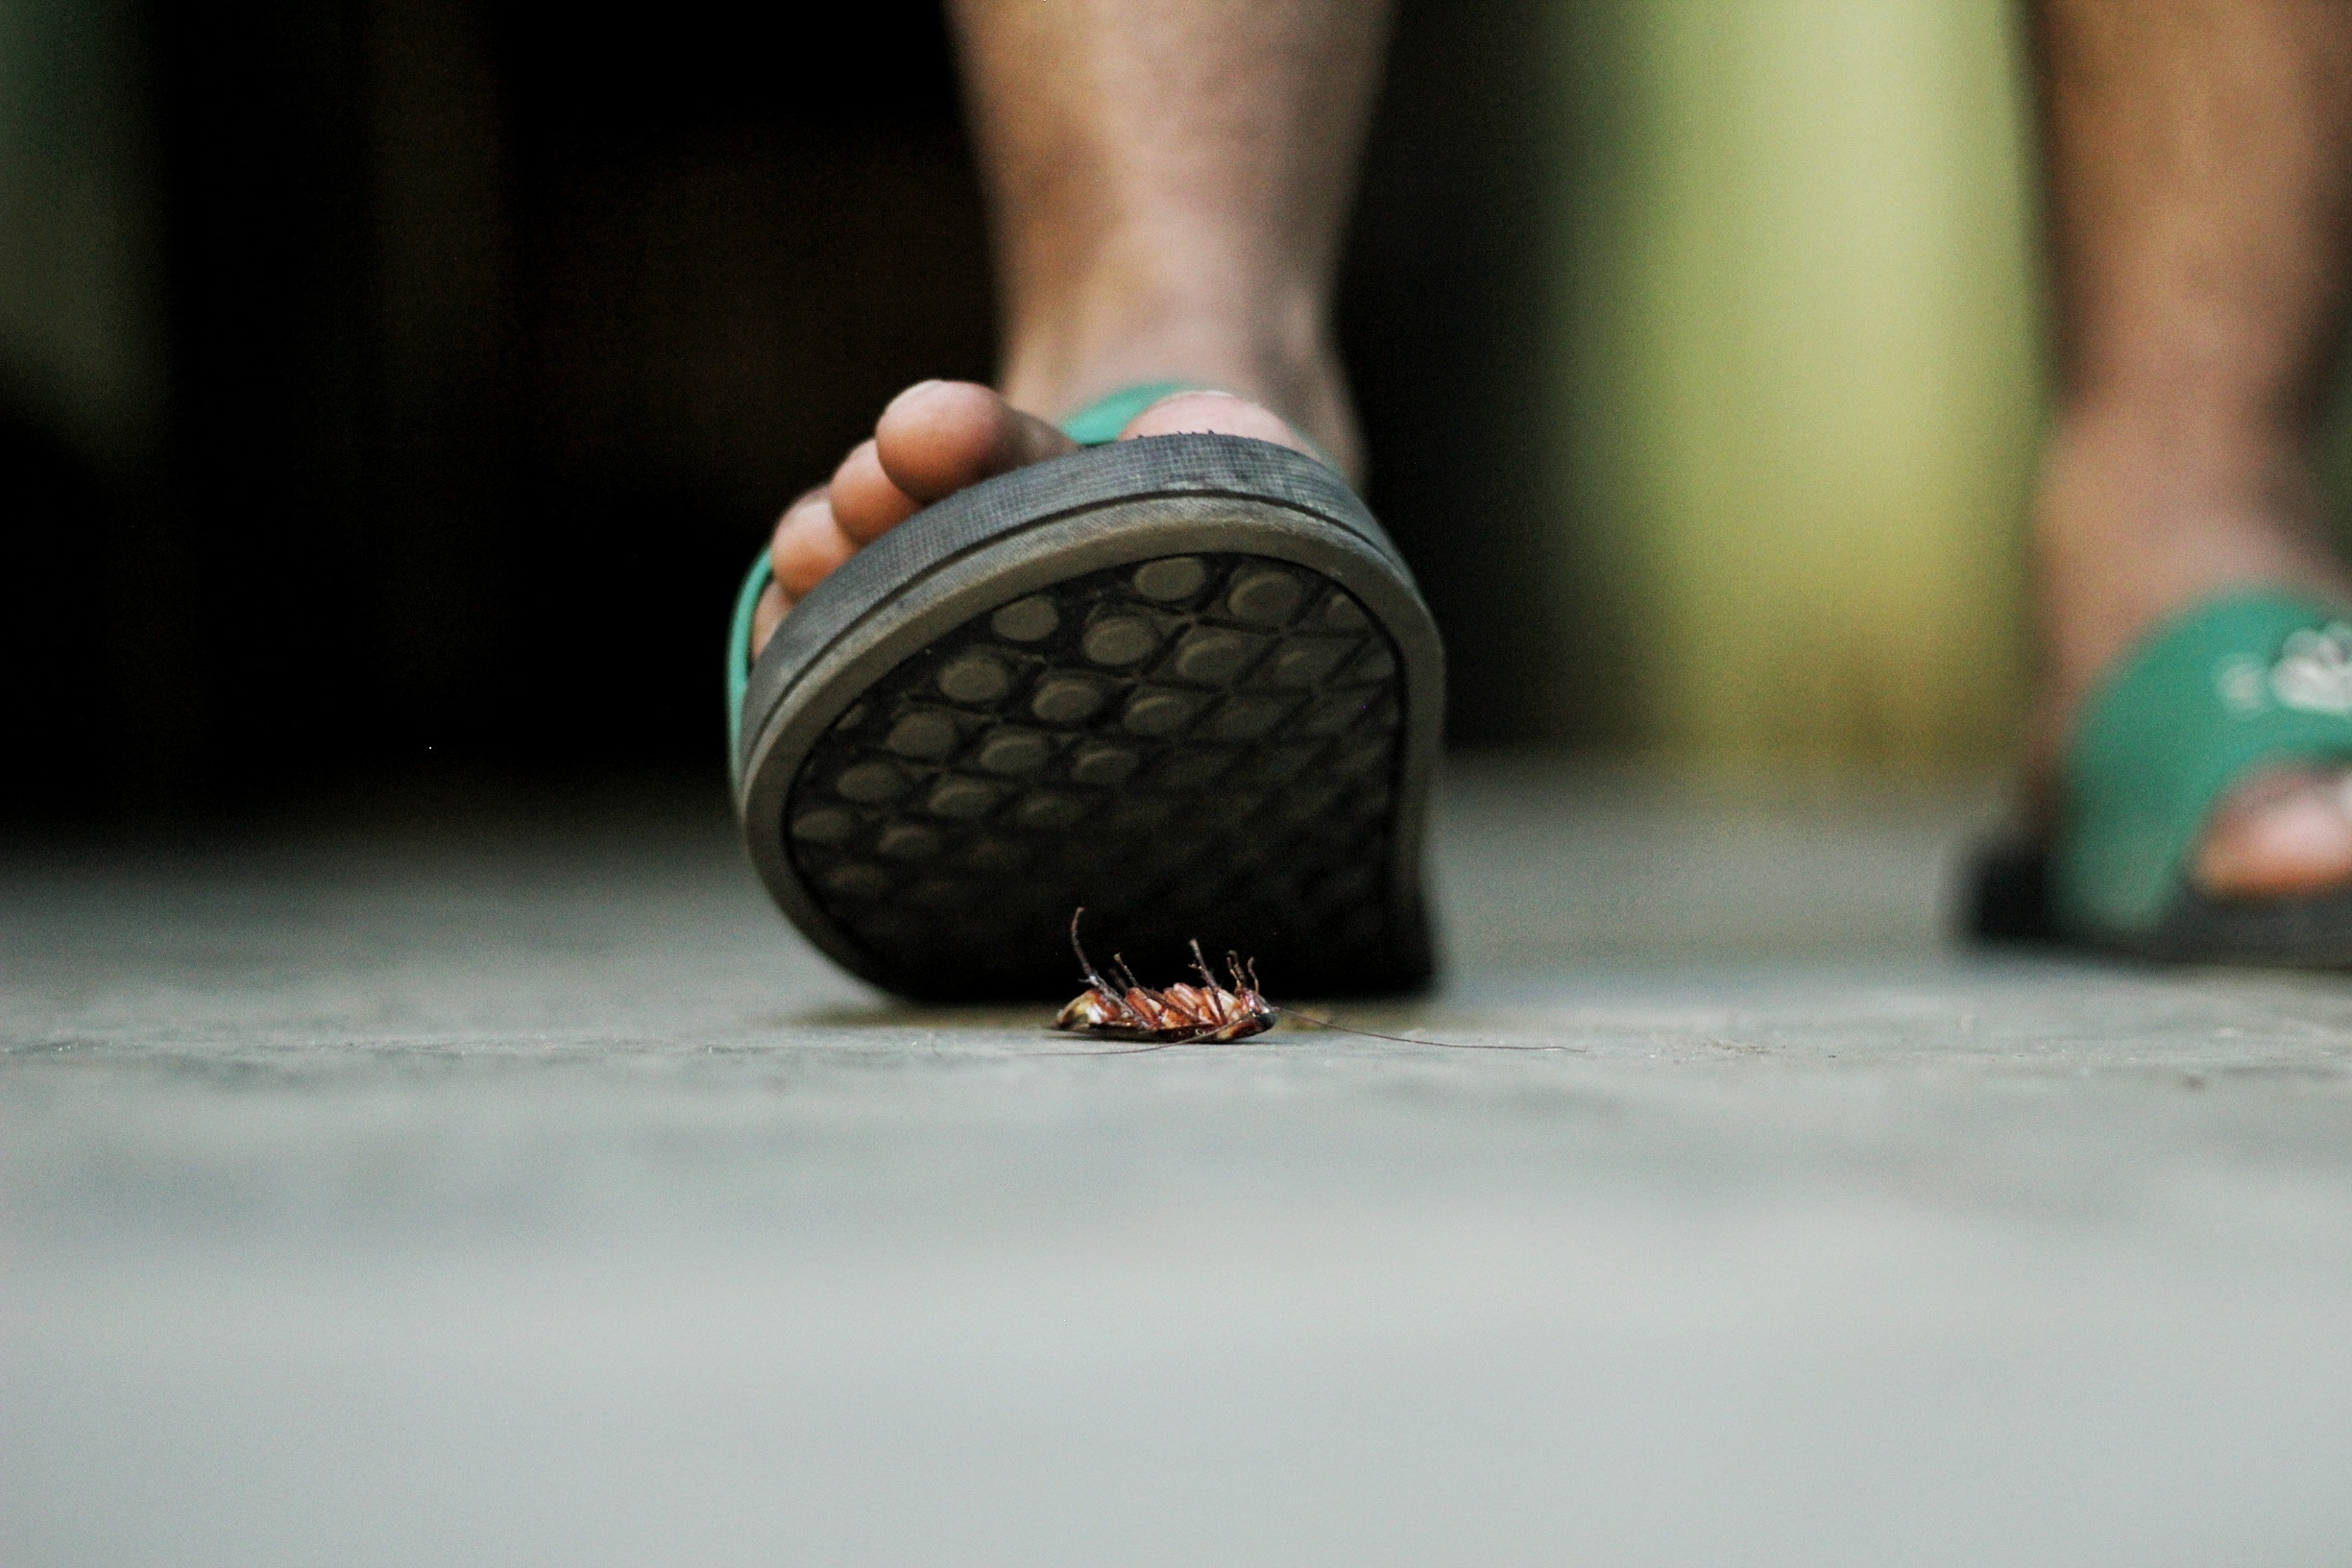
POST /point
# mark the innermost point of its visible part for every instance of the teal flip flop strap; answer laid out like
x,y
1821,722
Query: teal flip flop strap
x,y
2243,683
1097,424
739,653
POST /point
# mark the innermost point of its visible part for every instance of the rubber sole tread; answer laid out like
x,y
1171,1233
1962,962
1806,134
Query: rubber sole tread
x,y
1211,743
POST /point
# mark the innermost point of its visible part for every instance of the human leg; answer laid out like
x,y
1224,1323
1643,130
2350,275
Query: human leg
x,y
1186,683
1167,185
2200,179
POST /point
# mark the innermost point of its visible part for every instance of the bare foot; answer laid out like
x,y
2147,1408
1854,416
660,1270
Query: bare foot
x,y
936,439
2133,529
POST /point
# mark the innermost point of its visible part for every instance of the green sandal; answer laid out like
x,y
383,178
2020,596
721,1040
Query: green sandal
x,y
1184,681
2248,682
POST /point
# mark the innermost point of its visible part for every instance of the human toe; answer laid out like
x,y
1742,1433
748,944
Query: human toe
x,y
939,437
866,503
766,614
809,546
2285,834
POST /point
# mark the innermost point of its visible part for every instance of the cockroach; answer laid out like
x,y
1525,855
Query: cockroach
x,y
1204,1014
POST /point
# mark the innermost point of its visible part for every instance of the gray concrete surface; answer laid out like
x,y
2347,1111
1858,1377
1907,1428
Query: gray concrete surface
x,y
525,1194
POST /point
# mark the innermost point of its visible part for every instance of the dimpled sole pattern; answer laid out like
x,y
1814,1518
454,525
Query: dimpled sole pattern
x,y
1201,745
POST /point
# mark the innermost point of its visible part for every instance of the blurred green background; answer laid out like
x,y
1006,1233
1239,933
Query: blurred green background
x,y
1798,378
397,386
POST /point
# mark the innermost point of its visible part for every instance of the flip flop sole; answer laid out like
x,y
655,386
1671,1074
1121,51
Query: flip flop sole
x,y
2250,680
1184,681
2313,932
2009,905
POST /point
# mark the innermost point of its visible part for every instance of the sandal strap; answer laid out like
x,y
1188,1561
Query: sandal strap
x,y
2218,692
1099,423
738,652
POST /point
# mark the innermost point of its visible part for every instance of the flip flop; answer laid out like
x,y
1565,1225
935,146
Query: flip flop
x,y
1183,680
2238,685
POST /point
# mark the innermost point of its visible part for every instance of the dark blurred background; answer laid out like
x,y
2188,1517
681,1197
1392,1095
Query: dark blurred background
x,y
441,365
394,393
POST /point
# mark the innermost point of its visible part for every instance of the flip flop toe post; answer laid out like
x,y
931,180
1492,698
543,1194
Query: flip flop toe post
x,y
1185,682
2238,685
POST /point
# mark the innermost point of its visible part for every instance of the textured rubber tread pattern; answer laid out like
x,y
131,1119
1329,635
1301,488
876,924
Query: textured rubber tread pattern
x,y
1185,680
1099,475
1201,745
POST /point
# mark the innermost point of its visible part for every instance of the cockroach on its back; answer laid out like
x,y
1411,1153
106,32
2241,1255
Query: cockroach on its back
x,y
1207,1013
1176,1016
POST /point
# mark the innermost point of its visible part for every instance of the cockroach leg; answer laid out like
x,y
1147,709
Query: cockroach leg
x,y
1180,1014
1084,963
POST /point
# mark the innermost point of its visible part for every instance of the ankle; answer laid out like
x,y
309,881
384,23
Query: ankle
x,y
2137,517
2160,470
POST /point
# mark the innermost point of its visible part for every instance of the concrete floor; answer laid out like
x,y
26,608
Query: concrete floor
x,y
526,1195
